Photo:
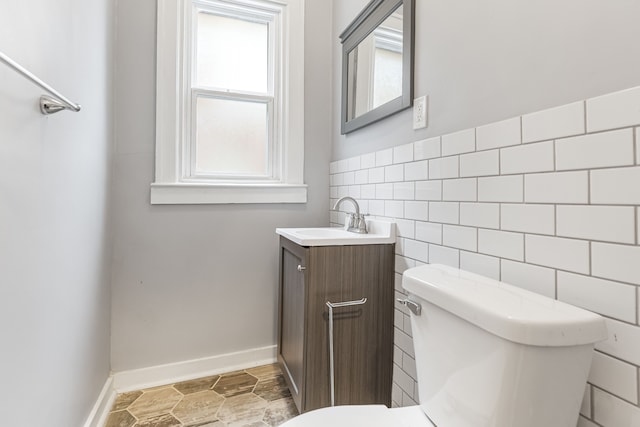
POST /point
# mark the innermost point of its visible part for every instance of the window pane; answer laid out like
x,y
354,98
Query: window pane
x,y
231,137
232,53
387,76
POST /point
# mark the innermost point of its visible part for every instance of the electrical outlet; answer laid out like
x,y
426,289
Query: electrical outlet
x,y
420,112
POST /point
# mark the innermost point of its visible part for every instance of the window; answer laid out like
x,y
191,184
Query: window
x,y
230,98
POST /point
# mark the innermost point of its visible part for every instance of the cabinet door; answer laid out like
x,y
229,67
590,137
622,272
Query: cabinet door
x,y
292,318
362,334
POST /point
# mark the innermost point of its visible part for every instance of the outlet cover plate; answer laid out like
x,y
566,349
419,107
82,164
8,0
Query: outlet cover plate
x,y
420,112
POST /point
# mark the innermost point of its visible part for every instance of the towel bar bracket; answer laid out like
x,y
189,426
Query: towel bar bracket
x,y
50,105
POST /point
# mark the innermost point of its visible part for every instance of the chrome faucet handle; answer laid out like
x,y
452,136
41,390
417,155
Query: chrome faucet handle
x,y
360,224
351,219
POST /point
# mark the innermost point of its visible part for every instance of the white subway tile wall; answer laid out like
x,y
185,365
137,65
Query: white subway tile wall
x,y
403,153
482,163
616,110
538,219
611,186
534,278
547,201
463,189
444,167
527,158
566,120
615,376
459,142
500,134
416,171
485,215
426,149
429,190
500,189
600,150
557,187
484,265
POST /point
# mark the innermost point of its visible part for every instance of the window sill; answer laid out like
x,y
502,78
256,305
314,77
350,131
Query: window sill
x,y
186,194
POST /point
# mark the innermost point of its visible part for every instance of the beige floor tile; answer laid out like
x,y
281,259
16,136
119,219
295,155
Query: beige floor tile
x,y
166,420
244,424
246,408
125,399
235,384
266,371
213,424
272,388
120,419
279,411
194,386
256,397
198,407
155,403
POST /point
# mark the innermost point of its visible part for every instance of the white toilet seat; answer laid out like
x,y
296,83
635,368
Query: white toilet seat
x,y
361,415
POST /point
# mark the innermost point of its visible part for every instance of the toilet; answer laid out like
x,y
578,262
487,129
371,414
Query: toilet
x,y
488,354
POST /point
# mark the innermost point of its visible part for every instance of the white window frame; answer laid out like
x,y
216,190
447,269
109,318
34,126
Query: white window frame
x,y
174,181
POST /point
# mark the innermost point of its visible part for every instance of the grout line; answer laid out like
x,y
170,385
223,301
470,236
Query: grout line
x,y
636,230
634,137
589,187
475,139
590,257
592,409
521,131
584,123
638,382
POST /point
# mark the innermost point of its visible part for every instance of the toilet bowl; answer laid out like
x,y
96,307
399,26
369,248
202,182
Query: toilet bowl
x,y
488,354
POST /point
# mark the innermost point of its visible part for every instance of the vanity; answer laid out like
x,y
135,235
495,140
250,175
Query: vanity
x,y
335,317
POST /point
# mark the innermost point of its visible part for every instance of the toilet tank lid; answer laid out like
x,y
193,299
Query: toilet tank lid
x,y
507,311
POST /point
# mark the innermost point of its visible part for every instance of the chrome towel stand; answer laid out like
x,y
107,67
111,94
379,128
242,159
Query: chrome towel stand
x,y
48,104
331,306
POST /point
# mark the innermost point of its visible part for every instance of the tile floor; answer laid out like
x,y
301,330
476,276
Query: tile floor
x,y
255,397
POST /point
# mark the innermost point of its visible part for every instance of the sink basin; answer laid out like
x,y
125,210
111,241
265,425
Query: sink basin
x,y
380,232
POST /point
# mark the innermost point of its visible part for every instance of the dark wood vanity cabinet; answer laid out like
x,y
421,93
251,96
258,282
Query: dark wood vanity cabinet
x,y
362,334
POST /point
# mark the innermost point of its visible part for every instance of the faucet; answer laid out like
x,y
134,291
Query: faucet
x,y
356,223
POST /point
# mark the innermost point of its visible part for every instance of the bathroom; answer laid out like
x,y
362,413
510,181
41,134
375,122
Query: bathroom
x,y
99,286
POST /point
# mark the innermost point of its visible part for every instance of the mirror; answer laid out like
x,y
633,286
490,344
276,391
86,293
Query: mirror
x,y
377,63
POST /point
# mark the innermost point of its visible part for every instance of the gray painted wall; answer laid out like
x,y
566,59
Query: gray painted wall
x,y
481,62
196,281
54,233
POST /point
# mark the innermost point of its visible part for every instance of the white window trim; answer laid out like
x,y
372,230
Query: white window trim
x,y
170,187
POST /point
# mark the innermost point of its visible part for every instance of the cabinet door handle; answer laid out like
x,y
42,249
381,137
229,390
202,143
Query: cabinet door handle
x,y
301,268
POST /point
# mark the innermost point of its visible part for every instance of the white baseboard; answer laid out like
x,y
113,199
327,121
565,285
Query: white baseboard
x,y
100,411
153,376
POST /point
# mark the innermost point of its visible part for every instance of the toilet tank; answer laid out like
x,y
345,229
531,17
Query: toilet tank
x,y
489,354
